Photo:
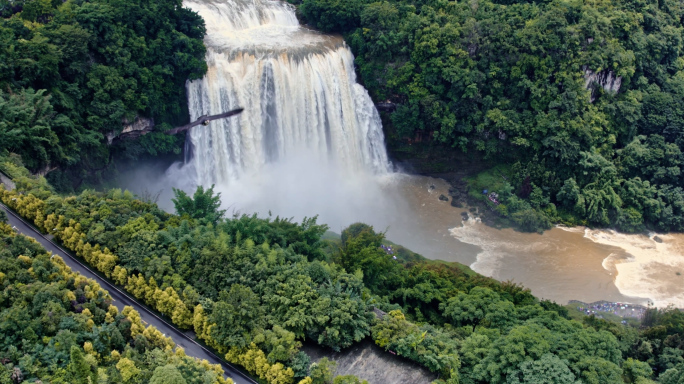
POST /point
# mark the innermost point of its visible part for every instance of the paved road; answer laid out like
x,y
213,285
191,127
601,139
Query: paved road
x,y
121,299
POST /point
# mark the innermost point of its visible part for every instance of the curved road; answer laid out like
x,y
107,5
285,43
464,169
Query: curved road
x,y
121,299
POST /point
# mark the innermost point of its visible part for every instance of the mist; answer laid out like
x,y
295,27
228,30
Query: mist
x,y
301,185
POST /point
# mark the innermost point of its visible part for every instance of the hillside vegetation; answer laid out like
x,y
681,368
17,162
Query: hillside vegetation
x,y
57,326
584,98
255,288
73,71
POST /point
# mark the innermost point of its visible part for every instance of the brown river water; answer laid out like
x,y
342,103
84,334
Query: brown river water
x,y
561,264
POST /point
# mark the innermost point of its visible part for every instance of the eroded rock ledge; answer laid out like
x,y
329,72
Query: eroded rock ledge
x,y
131,130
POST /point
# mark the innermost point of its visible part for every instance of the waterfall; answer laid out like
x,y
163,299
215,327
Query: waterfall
x,y
298,88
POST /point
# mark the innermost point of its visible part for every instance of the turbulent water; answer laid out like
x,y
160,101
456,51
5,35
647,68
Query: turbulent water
x,y
298,88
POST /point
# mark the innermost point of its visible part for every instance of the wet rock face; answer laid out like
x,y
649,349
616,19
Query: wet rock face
x,y
604,79
131,130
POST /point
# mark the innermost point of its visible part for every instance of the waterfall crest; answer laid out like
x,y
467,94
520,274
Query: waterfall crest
x,y
298,88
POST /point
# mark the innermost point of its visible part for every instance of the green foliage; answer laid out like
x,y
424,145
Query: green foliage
x,y
361,251
167,374
60,327
548,369
203,205
304,238
266,295
26,128
633,370
236,314
74,71
79,370
323,371
428,345
300,363
333,16
673,375
256,301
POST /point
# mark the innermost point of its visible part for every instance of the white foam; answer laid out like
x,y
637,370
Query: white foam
x,y
651,269
571,229
489,259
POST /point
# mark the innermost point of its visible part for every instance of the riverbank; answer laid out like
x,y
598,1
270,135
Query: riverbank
x,y
561,264
436,218
454,167
609,309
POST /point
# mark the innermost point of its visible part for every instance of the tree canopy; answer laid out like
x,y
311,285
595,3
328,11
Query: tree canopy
x,y
57,326
72,72
203,205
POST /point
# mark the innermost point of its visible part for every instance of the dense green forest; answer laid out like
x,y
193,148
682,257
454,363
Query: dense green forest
x,y
57,326
255,288
73,71
585,98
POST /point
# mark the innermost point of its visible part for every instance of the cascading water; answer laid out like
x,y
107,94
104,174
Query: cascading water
x,y
298,88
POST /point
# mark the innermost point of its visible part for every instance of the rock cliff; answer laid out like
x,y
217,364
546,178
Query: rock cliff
x,y
369,362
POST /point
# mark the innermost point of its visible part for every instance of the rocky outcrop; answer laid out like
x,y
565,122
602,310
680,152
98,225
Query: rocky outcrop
x,y
386,106
459,193
369,362
604,79
131,130
7,182
378,313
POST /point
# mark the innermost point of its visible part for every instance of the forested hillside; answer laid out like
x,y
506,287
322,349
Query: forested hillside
x,y
73,71
585,98
254,289
57,326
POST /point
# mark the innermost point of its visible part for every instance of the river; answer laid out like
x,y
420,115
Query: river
x,y
310,142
